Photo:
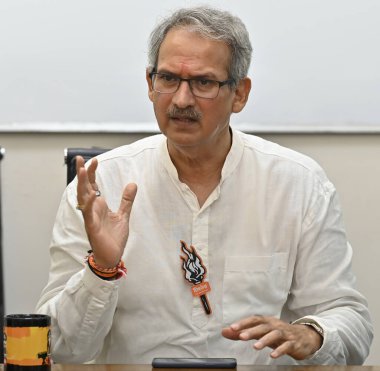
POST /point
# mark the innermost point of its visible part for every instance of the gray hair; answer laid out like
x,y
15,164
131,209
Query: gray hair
x,y
210,23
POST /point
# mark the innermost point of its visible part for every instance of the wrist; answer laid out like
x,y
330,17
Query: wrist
x,y
315,331
314,325
104,260
110,273
104,264
315,336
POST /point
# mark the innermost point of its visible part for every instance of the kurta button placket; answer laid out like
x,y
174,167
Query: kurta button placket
x,y
200,242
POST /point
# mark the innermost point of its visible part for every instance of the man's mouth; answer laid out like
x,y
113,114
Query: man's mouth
x,y
183,119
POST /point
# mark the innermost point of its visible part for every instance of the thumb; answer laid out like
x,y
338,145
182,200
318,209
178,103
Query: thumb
x,y
127,199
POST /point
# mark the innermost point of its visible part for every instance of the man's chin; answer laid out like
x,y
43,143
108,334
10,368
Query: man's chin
x,y
182,139
180,128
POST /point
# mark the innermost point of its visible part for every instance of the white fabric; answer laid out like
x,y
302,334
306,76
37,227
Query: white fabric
x,y
270,235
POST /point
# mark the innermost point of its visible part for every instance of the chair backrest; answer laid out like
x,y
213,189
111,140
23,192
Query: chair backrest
x,y
70,158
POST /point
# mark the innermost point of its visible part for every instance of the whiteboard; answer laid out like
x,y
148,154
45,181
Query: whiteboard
x,y
316,63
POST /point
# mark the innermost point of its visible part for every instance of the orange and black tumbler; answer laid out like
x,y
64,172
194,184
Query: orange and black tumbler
x,y
27,342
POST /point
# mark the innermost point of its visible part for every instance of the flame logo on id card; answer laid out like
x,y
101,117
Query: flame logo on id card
x,y
195,273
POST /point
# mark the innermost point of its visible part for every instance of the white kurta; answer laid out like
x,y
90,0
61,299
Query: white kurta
x,y
270,235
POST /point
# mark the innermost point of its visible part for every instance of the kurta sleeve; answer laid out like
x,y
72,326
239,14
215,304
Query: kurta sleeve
x,y
323,287
81,305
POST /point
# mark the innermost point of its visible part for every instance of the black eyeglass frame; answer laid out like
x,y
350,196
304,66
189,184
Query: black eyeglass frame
x,y
180,79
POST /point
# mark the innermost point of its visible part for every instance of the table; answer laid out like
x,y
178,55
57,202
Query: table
x,y
87,367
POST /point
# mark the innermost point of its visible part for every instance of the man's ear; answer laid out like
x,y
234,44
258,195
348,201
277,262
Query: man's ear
x,y
149,81
241,94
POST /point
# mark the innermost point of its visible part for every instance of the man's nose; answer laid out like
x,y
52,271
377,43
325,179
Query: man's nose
x,y
184,97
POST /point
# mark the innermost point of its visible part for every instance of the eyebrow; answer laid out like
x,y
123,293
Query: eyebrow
x,y
206,76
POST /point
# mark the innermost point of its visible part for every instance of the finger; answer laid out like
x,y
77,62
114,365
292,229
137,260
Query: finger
x,y
247,322
272,339
255,332
285,348
79,163
88,206
229,333
91,172
82,186
127,199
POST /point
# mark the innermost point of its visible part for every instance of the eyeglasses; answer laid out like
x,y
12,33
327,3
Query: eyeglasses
x,y
200,87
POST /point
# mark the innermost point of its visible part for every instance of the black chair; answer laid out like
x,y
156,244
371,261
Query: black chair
x,y
70,158
2,152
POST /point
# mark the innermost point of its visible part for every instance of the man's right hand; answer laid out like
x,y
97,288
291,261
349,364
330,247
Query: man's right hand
x,y
107,231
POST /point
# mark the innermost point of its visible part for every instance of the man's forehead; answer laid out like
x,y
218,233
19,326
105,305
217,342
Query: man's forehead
x,y
183,47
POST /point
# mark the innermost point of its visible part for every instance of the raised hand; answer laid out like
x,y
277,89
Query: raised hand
x,y
107,230
297,341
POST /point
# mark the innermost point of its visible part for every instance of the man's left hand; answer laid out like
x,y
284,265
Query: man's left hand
x,y
297,341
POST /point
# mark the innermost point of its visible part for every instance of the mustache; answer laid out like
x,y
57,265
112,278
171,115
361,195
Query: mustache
x,y
188,113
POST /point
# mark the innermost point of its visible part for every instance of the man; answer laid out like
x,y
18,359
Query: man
x,y
234,246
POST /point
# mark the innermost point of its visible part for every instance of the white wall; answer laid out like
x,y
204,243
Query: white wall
x,y
314,62
33,179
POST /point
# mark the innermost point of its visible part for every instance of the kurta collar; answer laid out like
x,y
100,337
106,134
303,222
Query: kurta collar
x,y
232,160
